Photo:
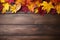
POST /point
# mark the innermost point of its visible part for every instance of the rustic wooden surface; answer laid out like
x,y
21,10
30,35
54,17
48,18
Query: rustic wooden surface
x,y
29,19
29,27
29,30
28,38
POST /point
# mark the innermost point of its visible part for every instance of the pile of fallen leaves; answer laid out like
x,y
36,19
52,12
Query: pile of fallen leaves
x,y
34,6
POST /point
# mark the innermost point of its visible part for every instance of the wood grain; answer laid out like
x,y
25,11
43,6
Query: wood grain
x,y
29,30
29,27
28,38
29,19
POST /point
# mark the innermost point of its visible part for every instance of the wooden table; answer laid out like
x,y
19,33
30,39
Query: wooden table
x,y
29,27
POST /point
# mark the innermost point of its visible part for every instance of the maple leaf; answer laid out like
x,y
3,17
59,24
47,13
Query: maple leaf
x,y
1,7
10,1
20,1
57,7
38,4
2,1
47,6
55,1
24,9
36,10
5,7
27,1
15,8
40,11
53,11
31,7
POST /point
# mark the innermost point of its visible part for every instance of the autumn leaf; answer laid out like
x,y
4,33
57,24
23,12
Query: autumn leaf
x,y
5,7
53,11
15,8
1,7
40,11
31,7
57,7
38,4
10,1
55,1
47,6
36,10
24,9
20,1
2,1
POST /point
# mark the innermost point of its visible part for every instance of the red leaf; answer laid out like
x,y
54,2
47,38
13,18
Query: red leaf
x,y
53,11
24,9
40,11
10,1
1,7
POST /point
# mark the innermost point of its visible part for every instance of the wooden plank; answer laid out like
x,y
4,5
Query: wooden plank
x,y
29,30
13,31
29,19
28,38
47,19
16,19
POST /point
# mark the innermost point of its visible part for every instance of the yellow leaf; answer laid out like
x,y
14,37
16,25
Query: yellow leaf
x,y
5,8
20,1
31,7
2,1
47,6
36,10
58,8
15,8
38,3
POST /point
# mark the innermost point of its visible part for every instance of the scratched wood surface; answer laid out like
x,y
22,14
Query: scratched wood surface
x,y
29,27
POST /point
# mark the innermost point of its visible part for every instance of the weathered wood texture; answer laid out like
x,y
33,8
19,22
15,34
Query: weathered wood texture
x,y
29,19
29,30
28,38
29,27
